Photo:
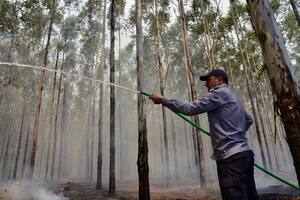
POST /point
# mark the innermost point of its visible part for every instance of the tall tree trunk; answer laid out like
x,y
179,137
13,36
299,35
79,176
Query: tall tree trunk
x,y
162,89
40,93
120,106
88,140
26,148
295,10
56,118
284,83
263,128
112,158
62,134
259,137
162,155
100,120
142,160
5,157
188,147
175,149
208,43
49,129
17,157
190,78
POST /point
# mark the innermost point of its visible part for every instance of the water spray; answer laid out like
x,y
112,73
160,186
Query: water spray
x,y
268,172
70,75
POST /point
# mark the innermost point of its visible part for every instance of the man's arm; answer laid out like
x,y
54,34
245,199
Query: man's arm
x,y
249,120
207,103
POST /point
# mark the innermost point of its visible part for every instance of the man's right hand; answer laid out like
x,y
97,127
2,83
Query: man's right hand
x,y
156,98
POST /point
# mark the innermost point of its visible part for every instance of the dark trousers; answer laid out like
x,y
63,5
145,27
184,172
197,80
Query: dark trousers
x,y
236,177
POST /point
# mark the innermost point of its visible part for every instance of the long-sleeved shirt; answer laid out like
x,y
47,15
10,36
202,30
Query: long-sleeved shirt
x,y
228,120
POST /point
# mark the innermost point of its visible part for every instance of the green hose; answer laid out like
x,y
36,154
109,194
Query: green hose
x,y
256,165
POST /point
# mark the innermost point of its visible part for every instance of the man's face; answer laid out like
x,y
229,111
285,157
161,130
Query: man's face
x,y
213,81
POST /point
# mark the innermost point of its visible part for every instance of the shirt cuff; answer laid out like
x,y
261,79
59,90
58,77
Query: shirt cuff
x,y
165,101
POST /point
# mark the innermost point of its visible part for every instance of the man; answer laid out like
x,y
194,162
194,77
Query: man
x,y
228,123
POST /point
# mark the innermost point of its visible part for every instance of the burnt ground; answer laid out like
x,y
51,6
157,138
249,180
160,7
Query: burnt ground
x,y
86,191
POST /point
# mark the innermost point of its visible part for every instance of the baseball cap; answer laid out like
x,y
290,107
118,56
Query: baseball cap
x,y
215,72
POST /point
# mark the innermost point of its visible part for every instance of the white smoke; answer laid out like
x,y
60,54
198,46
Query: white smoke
x,y
28,191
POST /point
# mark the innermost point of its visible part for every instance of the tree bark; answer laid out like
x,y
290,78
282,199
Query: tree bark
x,y
56,118
175,149
142,160
112,159
120,107
100,120
17,157
284,83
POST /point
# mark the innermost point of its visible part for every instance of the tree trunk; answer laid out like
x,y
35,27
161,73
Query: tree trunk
x,y
88,156
188,147
284,83
39,96
207,40
61,170
17,157
100,121
5,157
112,159
162,90
49,129
175,149
191,82
26,151
56,118
120,106
142,160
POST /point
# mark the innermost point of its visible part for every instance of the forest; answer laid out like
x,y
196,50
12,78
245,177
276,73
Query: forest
x,y
75,76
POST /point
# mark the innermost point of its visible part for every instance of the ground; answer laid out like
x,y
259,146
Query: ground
x,y
86,191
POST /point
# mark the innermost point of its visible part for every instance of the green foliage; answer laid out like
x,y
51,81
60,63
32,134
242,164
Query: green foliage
x,y
275,4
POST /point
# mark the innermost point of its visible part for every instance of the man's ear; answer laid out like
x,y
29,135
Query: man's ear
x,y
221,79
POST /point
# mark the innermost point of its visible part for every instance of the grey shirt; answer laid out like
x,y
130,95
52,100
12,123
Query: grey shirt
x,y
228,120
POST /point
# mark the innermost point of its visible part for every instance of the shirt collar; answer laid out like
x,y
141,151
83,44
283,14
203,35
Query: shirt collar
x,y
218,86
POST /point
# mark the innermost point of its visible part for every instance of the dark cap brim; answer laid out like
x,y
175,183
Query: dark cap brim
x,y
205,77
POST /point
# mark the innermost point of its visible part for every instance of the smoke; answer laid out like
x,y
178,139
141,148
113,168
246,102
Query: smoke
x,y
28,191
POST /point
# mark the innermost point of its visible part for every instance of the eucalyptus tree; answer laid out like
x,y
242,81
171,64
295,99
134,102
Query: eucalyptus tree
x,y
119,12
40,91
157,17
142,160
91,27
192,89
100,119
281,74
112,157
